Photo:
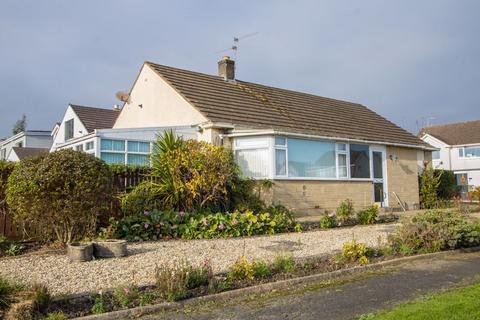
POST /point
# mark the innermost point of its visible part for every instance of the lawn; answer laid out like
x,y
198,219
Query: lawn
x,y
456,304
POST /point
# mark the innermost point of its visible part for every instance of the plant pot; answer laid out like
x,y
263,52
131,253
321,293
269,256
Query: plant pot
x,y
110,248
80,252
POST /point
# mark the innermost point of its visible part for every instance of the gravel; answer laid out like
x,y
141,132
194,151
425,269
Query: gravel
x,y
64,277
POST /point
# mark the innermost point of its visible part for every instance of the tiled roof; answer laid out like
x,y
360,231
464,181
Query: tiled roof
x,y
258,106
96,118
456,133
27,152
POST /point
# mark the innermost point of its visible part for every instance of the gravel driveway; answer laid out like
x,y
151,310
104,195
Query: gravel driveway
x,y
63,277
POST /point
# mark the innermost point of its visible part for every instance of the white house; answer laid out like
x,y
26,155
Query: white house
x,y
459,150
36,141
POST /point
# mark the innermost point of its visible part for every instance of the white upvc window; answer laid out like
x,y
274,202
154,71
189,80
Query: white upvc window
x,y
469,152
253,156
281,156
343,161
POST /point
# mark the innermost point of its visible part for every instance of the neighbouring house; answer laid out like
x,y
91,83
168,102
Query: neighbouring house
x,y
458,150
89,129
317,151
33,141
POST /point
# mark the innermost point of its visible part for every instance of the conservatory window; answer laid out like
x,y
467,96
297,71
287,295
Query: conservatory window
x,y
310,158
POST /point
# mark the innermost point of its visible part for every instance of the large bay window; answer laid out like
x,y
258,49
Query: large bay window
x,y
311,158
296,158
125,152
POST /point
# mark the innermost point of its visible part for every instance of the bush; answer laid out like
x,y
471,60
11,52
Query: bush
x,y
327,222
60,194
6,169
101,304
56,316
41,297
284,263
173,282
429,183
345,211
355,252
191,174
261,269
447,187
143,197
435,230
368,216
7,292
125,296
241,270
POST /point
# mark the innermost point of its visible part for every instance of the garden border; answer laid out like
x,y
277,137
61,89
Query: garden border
x,y
267,287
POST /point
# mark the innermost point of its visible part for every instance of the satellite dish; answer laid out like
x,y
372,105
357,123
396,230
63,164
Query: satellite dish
x,y
123,96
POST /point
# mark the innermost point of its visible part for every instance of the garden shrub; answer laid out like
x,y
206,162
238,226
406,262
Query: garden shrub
x,y
354,251
6,169
60,194
345,211
429,183
261,269
435,230
368,215
327,222
241,270
171,282
199,276
7,292
143,197
191,174
101,304
447,187
125,296
284,263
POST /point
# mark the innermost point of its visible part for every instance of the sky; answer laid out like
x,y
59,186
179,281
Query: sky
x,y
413,62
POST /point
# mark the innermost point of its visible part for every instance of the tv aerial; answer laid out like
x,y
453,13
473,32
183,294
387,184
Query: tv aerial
x,y
236,41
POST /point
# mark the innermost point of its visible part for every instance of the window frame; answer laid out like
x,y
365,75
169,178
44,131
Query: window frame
x,y
66,126
462,153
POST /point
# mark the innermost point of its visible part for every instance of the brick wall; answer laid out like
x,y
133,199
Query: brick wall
x,y
402,175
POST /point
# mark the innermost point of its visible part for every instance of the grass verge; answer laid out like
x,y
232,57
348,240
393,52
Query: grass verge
x,y
456,304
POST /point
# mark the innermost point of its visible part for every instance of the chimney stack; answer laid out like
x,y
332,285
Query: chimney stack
x,y
226,68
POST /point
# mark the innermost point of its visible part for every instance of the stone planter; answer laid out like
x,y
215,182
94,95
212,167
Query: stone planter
x,y
110,248
80,252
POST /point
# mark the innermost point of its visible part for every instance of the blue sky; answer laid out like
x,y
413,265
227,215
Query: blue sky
x,y
407,60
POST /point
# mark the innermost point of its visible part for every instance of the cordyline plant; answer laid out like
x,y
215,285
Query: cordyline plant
x,y
60,194
191,174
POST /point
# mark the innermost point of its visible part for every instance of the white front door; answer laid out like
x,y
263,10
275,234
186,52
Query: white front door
x,y
379,175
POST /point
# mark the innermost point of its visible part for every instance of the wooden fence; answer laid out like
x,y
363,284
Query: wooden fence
x,y
122,182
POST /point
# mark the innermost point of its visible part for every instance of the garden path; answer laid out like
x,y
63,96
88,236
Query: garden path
x,y
63,277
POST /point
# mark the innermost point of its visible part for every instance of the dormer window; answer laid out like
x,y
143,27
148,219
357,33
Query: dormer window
x,y
68,129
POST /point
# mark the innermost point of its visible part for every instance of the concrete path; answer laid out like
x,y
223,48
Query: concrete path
x,y
349,300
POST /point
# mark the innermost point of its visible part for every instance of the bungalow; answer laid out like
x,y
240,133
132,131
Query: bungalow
x,y
318,151
458,150
32,142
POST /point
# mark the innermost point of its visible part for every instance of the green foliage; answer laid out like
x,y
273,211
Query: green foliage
x,y
327,222
368,215
171,282
101,304
125,296
345,211
20,125
41,297
261,269
154,225
429,183
60,194
284,263
7,292
435,230
191,174
447,187
241,270
146,298
56,316
143,197
199,276
354,251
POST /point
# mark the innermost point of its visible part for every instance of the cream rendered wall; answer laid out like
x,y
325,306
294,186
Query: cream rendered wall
x,y
78,128
161,105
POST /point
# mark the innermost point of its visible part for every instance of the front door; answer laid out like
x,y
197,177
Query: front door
x,y
378,174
